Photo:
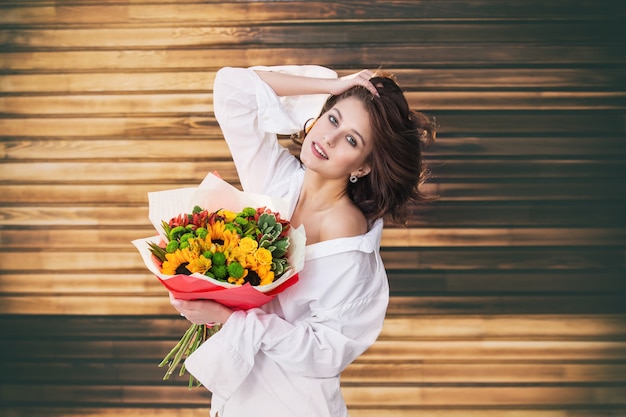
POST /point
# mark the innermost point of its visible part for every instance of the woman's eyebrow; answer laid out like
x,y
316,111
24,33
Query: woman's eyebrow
x,y
356,132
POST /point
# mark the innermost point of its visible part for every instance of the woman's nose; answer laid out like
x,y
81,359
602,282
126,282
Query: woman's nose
x,y
329,139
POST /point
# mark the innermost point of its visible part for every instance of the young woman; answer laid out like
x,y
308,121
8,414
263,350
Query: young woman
x,y
360,162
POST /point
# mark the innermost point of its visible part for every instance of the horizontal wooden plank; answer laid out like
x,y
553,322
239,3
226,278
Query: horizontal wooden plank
x,y
467,123
429,258
60,239
459,259
608,411
327,32
519,327
382,351
200,103
193,126
87,11
103,394
408,282
577,411
421,282
145,304
178,81
508,79
74,216
420,79
472,55
138,283
189,103
536,146
543,100
479,396
597,213
435,237
116,148
497,350
100,411
585,214
360,373
505,258
98,172
198,164
550,190
86,304
526,327
498,304
355,396
443,151
125,327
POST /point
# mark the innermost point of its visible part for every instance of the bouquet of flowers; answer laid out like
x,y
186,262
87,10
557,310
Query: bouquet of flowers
x,y
245,247
240,256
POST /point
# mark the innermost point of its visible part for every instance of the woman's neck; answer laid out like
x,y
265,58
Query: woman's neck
x,y
326,211
319,194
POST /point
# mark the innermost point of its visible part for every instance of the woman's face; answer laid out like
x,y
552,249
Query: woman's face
x,y
339,142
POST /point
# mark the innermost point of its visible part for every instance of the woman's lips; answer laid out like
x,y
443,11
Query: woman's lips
x,y
318,151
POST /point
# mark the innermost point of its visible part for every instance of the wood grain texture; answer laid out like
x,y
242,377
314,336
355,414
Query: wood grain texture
x,y
544,365
508,290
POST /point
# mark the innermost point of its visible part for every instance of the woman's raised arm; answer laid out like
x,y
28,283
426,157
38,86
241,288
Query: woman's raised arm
x,y
294,85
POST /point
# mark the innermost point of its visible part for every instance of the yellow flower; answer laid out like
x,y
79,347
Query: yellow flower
x,y
248,245
263,256
236,255
219,236
236,281
177,260
267,278
250,261
229,216
199,245
215,230
231,240
200,265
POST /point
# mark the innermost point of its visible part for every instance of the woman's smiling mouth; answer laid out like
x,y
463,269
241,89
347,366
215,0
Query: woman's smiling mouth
x,y
319,151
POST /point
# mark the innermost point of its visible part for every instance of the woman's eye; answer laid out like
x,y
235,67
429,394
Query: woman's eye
x,y
333,120
351,140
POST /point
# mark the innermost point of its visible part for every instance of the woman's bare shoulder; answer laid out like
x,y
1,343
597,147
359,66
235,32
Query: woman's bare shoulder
x,y
343,220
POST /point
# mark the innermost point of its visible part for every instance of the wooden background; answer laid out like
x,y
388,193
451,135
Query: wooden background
x,y
508,292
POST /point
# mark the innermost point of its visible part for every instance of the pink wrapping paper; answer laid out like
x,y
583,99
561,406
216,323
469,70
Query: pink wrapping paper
x,y
243,297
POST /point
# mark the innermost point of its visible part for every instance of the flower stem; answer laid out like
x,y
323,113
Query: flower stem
x,y
173,351
182,347
195,335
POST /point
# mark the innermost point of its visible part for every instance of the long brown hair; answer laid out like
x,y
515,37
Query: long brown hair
x,y
397,167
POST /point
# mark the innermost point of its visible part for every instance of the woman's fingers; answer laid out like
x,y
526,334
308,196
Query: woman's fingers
x,y
368,84
362,78
201,311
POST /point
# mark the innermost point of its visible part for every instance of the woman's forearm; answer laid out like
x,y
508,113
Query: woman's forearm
x,y
294,85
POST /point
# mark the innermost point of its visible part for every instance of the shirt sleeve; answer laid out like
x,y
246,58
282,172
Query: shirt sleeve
x,y
250,116
342,324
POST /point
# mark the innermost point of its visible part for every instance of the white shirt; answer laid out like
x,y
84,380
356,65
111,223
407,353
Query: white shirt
x,y
284,359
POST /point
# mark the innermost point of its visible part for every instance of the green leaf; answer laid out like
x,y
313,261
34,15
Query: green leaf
x,y
281,247
157,251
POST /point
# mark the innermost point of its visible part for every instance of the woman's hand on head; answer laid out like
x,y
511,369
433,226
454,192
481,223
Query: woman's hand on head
x,y
361,78
201,311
